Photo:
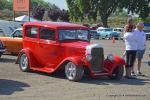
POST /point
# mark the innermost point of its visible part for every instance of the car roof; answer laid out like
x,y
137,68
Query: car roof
x,y
100,28
55,25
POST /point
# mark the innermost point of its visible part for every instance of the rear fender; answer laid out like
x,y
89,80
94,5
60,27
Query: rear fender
x,y
111,65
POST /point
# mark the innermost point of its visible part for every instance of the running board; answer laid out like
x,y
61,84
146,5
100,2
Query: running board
x,y
44,69
100,73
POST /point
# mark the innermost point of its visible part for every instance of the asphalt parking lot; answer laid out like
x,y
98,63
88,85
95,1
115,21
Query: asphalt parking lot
x,y
17,85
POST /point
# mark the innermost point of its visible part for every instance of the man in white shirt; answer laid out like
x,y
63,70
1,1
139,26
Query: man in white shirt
x,y
141,44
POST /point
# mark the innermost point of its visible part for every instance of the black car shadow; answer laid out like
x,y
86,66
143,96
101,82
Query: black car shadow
x,y
59,75
104,80
8,87
107,81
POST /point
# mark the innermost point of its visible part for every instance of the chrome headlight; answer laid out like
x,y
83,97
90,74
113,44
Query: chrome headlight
x,y
88,57
110,57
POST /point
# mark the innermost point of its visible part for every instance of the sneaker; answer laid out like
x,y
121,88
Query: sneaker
x,y
140,74
133,74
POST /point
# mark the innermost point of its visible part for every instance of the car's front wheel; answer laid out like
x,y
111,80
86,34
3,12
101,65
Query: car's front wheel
x,y
24,63
73,72
117,73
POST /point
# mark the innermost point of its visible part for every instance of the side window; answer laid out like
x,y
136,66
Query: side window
x,y
47,34
1,33
32,32
18,33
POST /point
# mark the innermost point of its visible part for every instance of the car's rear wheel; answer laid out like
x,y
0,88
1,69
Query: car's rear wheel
x,y
73,72
117,73
24,63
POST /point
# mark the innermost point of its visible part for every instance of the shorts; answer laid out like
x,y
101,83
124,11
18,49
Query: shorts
x,y
139,54
130,57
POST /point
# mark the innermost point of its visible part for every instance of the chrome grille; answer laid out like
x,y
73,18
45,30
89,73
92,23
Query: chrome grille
x,y
97,59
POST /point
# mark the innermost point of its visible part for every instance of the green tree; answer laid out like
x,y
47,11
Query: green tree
x,y
53,14
104,8
64,15
3,4
74,11
38,12
38,8
41,3
91,8
141,7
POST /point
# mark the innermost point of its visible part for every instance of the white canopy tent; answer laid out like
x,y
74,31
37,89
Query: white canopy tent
x,y
25,18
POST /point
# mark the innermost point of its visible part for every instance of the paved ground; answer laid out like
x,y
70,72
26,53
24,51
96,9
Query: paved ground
x,y
17,85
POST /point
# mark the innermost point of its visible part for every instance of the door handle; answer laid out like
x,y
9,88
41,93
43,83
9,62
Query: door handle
x,y
40,44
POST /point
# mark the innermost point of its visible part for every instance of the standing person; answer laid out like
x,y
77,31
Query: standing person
x,y
130,39
141,46
129,22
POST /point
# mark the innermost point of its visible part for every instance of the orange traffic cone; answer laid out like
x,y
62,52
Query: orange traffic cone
x,y
113,40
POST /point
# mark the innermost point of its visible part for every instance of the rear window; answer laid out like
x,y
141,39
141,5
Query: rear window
x,y
32,32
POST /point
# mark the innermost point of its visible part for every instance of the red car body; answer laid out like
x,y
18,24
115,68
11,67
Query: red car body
x,y
51,55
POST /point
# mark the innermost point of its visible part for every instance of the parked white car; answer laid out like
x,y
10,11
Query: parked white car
x,y
119,31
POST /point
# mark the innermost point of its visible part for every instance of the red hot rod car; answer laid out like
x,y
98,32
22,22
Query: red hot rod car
x,y
51,46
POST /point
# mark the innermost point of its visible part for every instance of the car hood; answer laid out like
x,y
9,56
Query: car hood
x,y
78,48
74,48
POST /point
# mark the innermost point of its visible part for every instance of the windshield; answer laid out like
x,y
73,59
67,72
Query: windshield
x,y
74,35
118,30
108,29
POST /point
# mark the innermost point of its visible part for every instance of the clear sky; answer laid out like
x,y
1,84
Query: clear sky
x,y
60,3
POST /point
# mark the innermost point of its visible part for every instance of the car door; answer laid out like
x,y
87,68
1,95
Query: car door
x,y
48,48
14,42
31,39
101,31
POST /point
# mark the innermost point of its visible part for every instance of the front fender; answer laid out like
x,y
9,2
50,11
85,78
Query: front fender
x,y
111,65
119,61
79,61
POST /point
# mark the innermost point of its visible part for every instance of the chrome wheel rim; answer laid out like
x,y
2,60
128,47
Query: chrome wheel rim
x,y
70,71
24,62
